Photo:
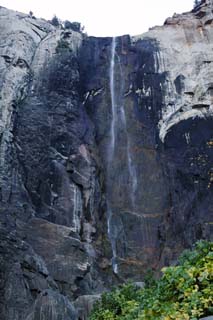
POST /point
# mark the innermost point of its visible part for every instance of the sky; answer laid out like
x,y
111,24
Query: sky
x,y
105,17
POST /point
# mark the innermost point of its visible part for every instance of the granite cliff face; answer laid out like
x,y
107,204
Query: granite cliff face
x,y
105,158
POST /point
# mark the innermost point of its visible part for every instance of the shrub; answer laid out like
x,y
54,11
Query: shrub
x,y
183,292
62,46
75,26
55,21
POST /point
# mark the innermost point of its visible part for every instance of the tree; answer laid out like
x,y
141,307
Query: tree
x,y
55,21
31,15
183,292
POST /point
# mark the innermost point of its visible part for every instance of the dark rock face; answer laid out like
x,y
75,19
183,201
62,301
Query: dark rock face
x,y
190,190
135,217
52,305
105,158
84,305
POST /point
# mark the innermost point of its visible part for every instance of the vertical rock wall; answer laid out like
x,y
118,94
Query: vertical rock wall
x,y
105,157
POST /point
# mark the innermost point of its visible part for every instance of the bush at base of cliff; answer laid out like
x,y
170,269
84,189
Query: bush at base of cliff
x,y
184,292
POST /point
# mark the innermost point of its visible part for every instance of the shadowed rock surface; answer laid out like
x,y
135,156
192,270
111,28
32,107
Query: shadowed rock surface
x,y
79,211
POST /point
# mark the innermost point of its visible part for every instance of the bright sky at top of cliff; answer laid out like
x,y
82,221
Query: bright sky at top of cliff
x,y
105,18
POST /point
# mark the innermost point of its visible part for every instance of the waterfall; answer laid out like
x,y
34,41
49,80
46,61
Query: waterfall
x,y
112,94
111,152
118,121
112,238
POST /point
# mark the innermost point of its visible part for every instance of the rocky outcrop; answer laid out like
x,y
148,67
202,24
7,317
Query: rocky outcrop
x,y
52,305
50,177
106,158
84,305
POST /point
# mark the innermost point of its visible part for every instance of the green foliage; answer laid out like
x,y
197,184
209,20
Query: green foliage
x,y
75,26
184,292
62,46
149,279
117,304
55,21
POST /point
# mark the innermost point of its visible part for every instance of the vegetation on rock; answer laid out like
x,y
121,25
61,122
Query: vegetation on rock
x,y
55,21
62,46
75,26
184,292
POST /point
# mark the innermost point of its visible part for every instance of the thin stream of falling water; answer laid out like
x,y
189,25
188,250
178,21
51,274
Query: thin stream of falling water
x,y
111,152
117,108
112,93
112,241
